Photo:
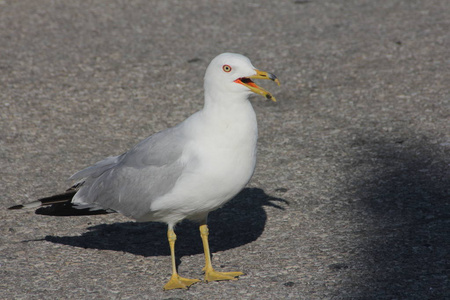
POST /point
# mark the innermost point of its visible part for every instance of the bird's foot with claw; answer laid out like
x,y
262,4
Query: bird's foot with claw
x,y
213,275
178,282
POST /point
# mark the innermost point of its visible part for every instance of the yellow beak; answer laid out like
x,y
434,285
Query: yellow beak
x,y
247,81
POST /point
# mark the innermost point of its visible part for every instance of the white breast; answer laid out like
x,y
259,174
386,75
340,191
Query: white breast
x,y
220,161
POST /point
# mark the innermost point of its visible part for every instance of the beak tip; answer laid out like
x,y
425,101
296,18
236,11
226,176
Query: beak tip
x,y
270,97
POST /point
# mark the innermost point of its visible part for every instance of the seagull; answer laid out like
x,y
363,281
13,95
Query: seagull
x,y
186,171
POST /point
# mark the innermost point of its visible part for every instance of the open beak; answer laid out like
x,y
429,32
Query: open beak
x,y
247,81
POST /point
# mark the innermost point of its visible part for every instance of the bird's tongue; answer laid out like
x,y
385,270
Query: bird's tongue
x,y
247,81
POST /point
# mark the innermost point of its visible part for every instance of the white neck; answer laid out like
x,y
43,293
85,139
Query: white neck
x,y
229,117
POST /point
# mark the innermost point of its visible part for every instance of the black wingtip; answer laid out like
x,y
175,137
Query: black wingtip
x,y
16,207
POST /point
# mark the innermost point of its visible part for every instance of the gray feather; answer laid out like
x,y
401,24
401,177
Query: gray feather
x,y
130,182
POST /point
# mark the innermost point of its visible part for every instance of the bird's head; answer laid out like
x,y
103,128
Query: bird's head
x,y
233,73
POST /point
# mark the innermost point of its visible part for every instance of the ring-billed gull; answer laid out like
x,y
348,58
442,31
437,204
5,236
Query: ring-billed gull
x,y
185,171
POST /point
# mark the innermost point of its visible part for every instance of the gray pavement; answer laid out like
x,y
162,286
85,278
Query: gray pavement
x,y
350,198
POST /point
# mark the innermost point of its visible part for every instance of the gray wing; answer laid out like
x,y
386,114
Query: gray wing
x,y
130,182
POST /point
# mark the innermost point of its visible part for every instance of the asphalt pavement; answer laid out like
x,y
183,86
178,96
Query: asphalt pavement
x,y
350,197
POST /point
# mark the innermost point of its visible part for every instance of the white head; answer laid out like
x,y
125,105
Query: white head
x,y
230,74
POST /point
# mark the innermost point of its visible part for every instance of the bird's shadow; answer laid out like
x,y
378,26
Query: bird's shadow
x,y
239,222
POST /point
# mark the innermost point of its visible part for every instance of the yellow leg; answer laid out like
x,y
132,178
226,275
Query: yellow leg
x,y
176,281
210,273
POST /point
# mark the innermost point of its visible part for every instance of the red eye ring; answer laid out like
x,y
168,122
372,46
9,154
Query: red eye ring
x,y
226,68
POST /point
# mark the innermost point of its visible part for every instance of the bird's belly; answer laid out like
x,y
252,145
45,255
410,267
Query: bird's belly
x,y
227,174
207,184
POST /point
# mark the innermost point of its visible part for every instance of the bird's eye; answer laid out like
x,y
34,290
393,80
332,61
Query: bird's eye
x,y
226,68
